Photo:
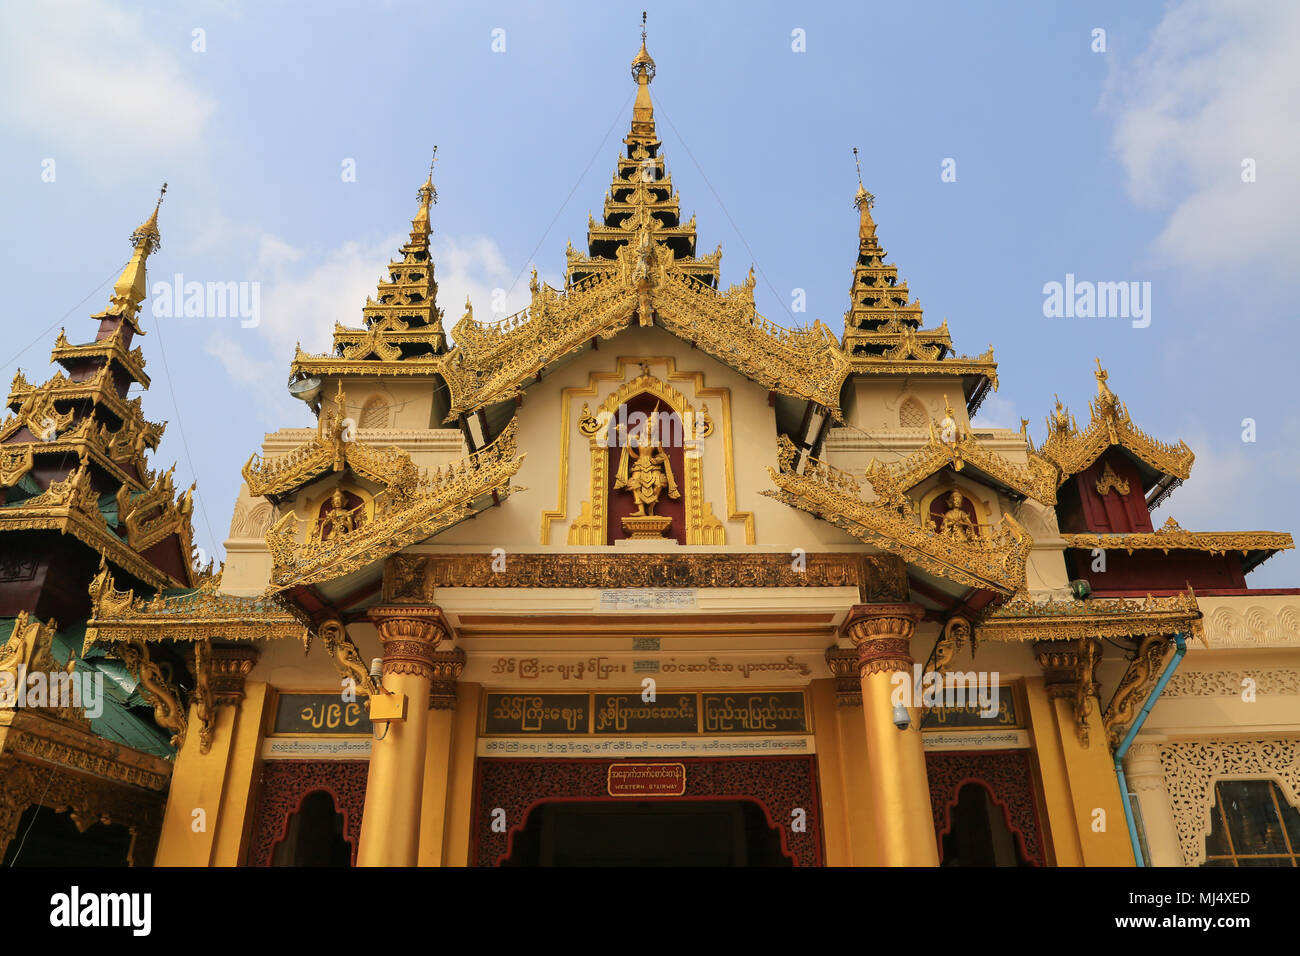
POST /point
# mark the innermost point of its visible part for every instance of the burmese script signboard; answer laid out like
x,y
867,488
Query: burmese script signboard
x,y
308,714
717,714
971,716
646,780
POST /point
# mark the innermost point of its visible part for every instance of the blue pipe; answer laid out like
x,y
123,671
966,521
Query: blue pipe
x,y
1181,641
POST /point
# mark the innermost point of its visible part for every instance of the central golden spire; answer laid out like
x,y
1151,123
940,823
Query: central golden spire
x,y
130,289
420,227
643,114
864,201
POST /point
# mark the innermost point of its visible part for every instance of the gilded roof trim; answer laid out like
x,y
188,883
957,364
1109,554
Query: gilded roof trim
x,y
1024,619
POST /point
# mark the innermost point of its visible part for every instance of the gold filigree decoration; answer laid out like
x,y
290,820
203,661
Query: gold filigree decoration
x,y
1073,450
346,658
1109,481
1024,619
1172,537
994,559
1134,687
194,615
168,711
406,513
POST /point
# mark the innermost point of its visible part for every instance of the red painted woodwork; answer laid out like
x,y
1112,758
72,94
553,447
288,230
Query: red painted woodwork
x,y
778,785
1153,570
1005,775
285,783
621,503
1112,513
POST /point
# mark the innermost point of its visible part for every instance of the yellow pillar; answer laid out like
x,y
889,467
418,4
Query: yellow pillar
x,y
437,768
899,789
390,823
1061,831
460,785
1094,793
209,808
835,823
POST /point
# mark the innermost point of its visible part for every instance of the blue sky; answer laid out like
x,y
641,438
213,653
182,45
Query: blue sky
x,y
1123,165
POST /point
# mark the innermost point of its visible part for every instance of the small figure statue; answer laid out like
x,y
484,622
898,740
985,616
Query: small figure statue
x,y
956,522
650,473
342,519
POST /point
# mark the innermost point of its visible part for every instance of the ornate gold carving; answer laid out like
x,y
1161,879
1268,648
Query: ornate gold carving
x,y
1134,687
346,658
1024,619
1073,450
205,704
168,711
957,633
416,577
1281,682
410,635
119,616
1070,668
1171,537
1109,481
882,633
702,526
843,664
1037,479
447,668
994,560
645,471
407,512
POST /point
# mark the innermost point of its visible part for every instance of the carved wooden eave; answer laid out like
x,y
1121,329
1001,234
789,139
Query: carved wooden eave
x,y
995,561
492,362
196,615
327,452
1024,619
1074,450
113,451
405,514
109,348
1036,480
71,506
1255,546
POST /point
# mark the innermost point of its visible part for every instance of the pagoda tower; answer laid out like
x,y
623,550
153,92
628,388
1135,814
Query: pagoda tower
x,y
77,488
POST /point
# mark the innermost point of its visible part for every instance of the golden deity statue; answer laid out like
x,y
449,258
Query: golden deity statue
x,y
645,470
342,519
956,522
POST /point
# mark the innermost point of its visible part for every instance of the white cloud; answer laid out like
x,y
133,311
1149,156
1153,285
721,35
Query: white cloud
x,y
238,365
82,76
996,412
1211,500
1218,84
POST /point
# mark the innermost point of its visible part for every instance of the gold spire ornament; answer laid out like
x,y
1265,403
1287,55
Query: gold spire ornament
x,y
131,287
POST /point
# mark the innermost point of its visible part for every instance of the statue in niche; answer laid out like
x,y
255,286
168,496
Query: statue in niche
x,y
342,515
956,523
645,471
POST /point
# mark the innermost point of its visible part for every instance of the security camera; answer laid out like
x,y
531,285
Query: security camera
x,y
902,719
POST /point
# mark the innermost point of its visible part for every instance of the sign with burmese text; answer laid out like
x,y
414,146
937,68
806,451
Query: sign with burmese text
x,y
971,715
302,714
646,780
615,715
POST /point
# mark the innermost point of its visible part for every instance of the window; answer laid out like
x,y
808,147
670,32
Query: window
x,y
978,834
1251,824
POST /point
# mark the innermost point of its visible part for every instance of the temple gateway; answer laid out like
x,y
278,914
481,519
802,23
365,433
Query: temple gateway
x,y
633,576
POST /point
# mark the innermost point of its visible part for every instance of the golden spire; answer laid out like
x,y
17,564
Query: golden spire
x,y
864,201
428,196
643,71
130,289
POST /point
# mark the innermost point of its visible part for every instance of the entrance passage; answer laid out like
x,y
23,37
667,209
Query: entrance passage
x,y
647,833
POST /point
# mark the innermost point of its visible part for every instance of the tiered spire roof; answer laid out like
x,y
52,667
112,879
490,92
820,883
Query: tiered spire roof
x,y
402,320
72,454
641,198
883,320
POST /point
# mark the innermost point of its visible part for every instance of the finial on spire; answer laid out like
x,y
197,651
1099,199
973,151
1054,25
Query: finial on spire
x,y
643,66
428,194
147,231
863,197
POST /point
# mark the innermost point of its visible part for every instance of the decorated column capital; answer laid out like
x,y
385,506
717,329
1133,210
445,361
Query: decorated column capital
x,y
447,668
231,665
410,636
882,633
